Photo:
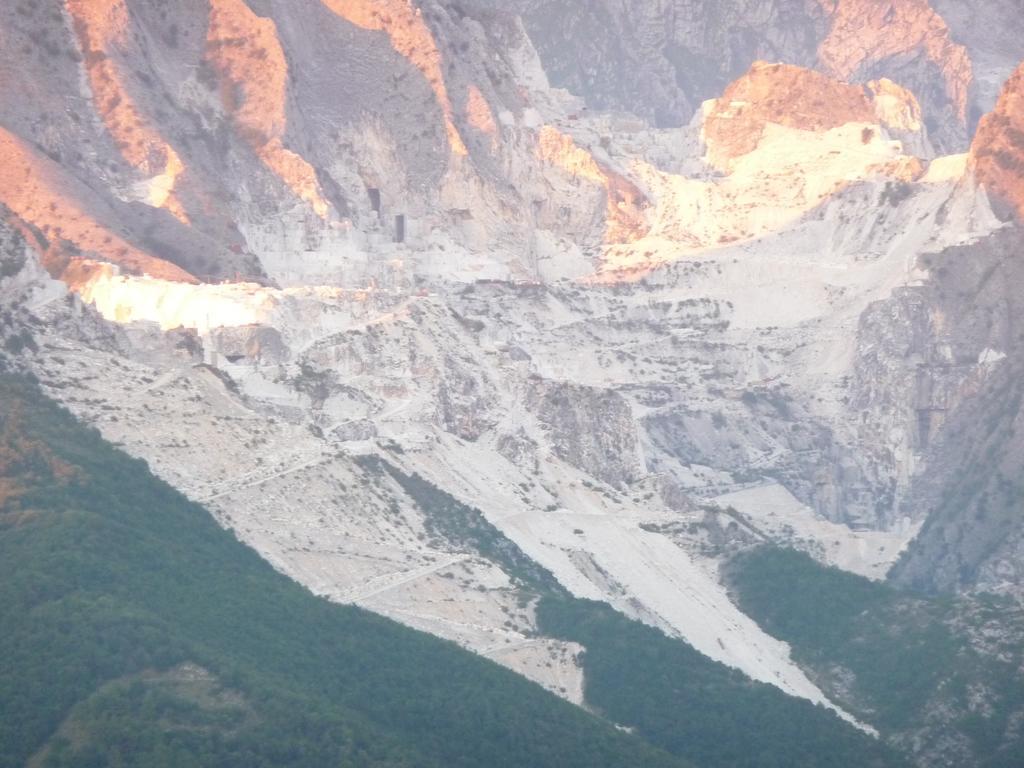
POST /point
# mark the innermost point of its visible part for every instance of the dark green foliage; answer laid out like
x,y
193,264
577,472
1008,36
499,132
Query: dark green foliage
x,y
465,529
697,708
110,579
673,696
830,613
910,663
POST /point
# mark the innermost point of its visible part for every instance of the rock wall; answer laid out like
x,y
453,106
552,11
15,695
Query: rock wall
x,y
955,397
661,58
997,153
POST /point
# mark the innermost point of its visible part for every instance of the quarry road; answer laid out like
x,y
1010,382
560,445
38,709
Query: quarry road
x,y
265,479
409,576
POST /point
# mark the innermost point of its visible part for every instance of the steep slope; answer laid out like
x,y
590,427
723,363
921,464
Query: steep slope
x,y
107,50
351,144
943,356
298,423
973,538
127,608
941,677
37,192
661,60
962,329
910,43
418,326
211,118
83,90
573,394
991,32
411,37
997,154
252,76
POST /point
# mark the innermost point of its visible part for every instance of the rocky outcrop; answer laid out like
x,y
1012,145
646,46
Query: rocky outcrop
x,y
103,34
67,224
997,153
899,111
260,344
910,43
589,428
465,400
806,100
785,95
245,52
660,60
953,398
624,203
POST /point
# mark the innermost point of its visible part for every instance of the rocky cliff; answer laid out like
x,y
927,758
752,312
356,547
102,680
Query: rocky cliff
x,y
962,365
997,153
637,288
662,59
285,140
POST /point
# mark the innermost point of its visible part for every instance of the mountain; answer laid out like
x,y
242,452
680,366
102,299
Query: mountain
x,y
960,341
941,676
138,631
997,153
480,316
971,533
660,60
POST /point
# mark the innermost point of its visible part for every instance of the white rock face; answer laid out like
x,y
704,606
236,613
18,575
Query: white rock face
x,y
449,378
773,511
631,361
585,420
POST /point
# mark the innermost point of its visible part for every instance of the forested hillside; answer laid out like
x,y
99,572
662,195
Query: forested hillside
x,y
138,632
928,671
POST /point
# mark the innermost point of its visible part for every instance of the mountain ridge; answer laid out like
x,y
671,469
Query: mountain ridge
x,y
641,291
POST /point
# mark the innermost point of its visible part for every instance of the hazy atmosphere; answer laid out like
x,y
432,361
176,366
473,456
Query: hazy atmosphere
x,y
525,384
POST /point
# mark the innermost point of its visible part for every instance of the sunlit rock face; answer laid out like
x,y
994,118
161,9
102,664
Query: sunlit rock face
x,y
802,99
172,304
997,154
605,271
625,202
266,129
784,95
355,144
246,54
910,43
899,111
104,36
781,143
65,221
661,59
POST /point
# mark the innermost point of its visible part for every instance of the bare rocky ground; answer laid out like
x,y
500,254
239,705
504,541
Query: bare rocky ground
x,y
635,348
